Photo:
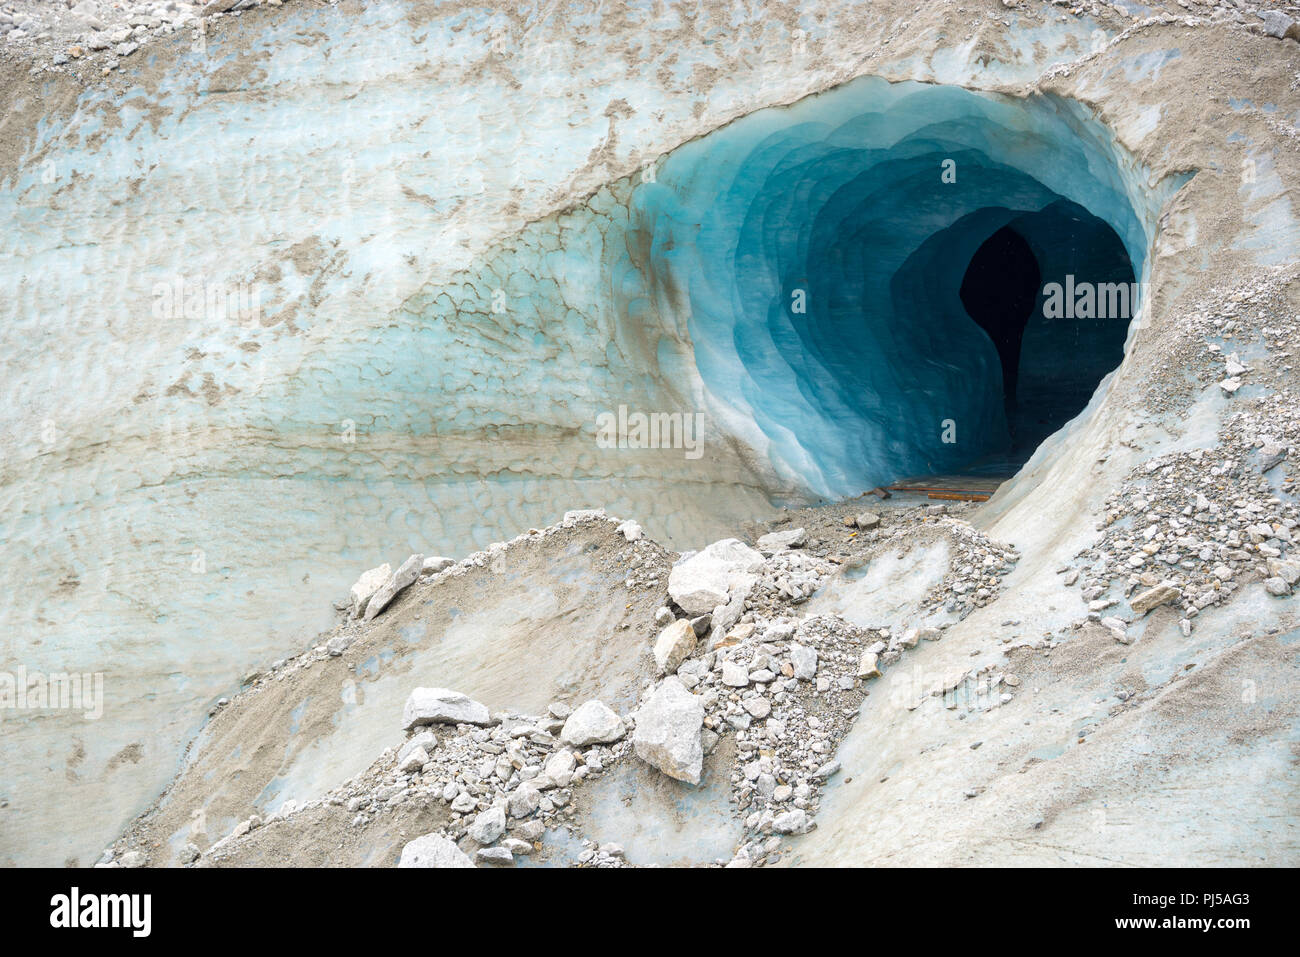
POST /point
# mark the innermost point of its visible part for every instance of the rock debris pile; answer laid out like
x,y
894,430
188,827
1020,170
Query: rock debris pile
x,y
730,658
1190,529
785,689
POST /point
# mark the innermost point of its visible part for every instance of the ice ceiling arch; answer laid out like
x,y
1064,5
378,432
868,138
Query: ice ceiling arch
x,y
818,250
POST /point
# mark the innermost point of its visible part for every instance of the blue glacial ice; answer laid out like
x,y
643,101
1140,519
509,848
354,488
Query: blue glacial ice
x,y
817,253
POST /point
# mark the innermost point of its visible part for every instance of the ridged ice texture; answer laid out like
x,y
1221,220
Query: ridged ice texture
x,y
840,199
178,501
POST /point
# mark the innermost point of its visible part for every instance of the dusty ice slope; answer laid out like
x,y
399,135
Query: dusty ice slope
x,y
184,491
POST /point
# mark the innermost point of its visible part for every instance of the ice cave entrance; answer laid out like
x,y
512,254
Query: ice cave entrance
x,y
892,280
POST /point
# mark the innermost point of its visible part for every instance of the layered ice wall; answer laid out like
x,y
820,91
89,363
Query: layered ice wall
x,y
250,349
301,301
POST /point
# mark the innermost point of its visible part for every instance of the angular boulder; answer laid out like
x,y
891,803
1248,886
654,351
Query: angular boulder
x,y
1288,571
369,583
868,667
734,674
558,770
724,616
488,826
674,645
1278,25
791,822
667,734
1161,594
804,660
433,850
780,541
705,580
404,576
425,741
436,563
412,761
442,706
495,856
1118,628
524,800
592,723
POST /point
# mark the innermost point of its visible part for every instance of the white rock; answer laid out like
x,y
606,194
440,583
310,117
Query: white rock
x,y
631,531
1118,627
667,734
442,706
1276,23
404,576
592,723
674,645
424,741
577,515
734,675
495,856
780,541
804,660
791,822
702,582
433,850
517,847
413,761
827,770
217,6
488,826
724,616
524,800
436,563
559,768
369,583
1288,571
530,830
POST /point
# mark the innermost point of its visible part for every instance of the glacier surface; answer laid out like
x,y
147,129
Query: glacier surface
x,y
419,343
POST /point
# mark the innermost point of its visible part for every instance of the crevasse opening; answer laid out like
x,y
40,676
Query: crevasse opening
x,y
818,253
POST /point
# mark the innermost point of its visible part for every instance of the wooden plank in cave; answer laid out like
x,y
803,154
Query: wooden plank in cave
x,y
953,488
